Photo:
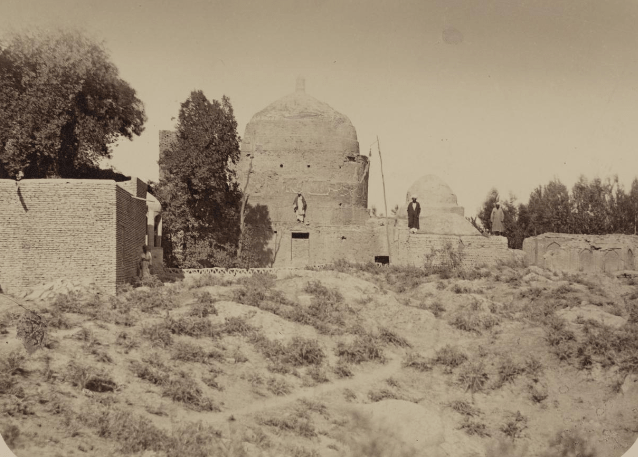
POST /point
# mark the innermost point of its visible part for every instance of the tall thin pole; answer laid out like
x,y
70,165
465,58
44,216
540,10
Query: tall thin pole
x,y
385,200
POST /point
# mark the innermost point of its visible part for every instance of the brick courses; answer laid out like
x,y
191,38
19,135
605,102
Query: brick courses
x,y
62,228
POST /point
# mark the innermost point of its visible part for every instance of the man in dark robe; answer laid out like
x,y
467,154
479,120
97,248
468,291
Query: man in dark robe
x,y
414,211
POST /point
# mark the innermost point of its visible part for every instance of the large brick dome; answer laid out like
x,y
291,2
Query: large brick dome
x,y
300,144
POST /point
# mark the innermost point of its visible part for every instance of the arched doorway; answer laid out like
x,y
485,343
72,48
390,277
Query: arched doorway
x,y
586,261
611,262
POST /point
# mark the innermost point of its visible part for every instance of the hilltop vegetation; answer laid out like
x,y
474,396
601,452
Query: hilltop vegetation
x,y
358,360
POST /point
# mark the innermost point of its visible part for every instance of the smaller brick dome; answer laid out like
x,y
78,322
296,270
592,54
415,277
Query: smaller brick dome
x,y
431,191
440,213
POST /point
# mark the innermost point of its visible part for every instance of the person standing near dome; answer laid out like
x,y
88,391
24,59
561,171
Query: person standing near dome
x,y
497,218
299,207
414,211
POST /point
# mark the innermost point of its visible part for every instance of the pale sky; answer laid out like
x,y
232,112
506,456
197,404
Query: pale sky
x,y
489,93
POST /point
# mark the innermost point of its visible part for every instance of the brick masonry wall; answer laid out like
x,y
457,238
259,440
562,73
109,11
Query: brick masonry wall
x,y
328,243
131,235
57,228
134,186
412,249
318,157
586,253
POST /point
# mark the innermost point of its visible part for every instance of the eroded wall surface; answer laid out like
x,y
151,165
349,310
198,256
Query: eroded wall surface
x,y
586,253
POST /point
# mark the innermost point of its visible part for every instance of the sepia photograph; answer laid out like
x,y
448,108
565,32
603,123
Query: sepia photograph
x,y
318,228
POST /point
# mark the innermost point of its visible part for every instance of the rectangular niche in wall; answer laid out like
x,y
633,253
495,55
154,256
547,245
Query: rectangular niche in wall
x,y
300,249
382,259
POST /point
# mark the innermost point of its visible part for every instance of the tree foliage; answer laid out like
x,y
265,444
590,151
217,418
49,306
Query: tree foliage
x,y
593,207
197,188
62,105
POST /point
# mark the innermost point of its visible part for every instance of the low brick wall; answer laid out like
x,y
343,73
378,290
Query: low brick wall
x,y
414,249
586,253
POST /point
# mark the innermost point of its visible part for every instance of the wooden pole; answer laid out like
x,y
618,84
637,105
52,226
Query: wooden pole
x,y
385,200
243,208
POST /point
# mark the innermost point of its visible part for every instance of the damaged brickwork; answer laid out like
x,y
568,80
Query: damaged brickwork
x,y
69,228
586,253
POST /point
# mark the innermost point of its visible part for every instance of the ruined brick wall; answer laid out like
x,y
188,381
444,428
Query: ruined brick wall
x,y
57,228
586,253
413,249
131,234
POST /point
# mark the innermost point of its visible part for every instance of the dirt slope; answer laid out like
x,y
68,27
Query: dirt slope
x,y
361,361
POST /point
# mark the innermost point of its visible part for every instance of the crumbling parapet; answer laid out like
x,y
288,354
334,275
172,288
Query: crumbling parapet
x,y
586,253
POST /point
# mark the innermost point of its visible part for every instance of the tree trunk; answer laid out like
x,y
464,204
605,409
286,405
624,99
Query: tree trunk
x,y
244,200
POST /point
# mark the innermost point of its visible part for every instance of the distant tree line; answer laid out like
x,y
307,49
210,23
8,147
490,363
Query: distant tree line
x,y
593,207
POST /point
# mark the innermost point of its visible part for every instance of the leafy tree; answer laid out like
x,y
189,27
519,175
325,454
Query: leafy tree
x,y
62,105
197,188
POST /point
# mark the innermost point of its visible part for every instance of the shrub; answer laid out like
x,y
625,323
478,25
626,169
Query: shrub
x,y
318,374
464,408
450,356
417,361
538,395
514,427
202,309
473,321
533,366
150,373
389,337
188,352
362,349
278,386
131,432
474,428
298,424
237,325
196,327
69,303
343,370
508,370
473,377
184,389
127,342
13,362
211,381
88,377
159,334
382,394
349,394
437,308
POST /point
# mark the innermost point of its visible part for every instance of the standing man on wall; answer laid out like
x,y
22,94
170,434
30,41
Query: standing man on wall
x,y
414,211
299,207
497,218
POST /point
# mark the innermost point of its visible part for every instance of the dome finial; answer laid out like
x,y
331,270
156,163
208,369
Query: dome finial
x,y
301,84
